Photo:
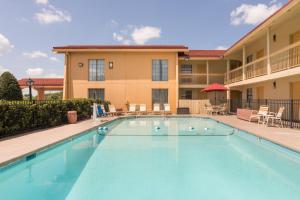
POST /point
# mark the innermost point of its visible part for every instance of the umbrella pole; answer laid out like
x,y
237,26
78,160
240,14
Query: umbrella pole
x,y
215,98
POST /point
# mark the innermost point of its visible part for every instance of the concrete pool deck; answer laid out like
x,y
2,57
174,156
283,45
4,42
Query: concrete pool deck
x,y
12,149
286,137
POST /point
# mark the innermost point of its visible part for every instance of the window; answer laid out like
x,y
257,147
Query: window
x,y
96,70
186,69
159,70
160,96
96,94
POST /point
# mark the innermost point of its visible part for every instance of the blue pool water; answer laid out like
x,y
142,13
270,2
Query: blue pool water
x,y
185,158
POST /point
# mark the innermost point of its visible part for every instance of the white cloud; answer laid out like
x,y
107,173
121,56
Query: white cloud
x,y
221,48
114,23
51,15
35,54
34,72
53,76
40,73
3,69
39,54
54,59
253,14
5,45
145,33
118,37
43,2
136,35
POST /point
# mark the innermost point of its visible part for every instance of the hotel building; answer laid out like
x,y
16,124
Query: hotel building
x,y
264,64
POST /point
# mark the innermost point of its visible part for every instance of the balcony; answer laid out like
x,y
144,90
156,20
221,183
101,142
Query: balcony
x,y
192,79
235,75
284,59
199,80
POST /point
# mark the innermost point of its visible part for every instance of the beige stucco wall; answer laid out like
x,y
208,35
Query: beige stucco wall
x,y
283,32
282,90
258,45
130,80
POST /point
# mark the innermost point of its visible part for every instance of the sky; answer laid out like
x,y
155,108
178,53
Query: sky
x,y
30,28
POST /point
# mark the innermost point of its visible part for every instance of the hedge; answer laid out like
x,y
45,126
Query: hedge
x,y
20,116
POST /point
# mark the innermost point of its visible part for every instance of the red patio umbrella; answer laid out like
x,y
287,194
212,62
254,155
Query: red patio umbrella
x,y
214,88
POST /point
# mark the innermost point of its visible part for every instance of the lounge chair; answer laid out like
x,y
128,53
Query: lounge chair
x,y
156,108
100,111
103,110
167,109
143,109
132,109
275,117
113,111
260,115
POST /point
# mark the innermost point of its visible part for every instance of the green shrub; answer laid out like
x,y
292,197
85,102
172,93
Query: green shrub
x,y
21,116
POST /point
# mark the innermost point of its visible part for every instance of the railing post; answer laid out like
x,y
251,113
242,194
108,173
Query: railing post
x,y
268,52
227,70
291,112
207,72
244,63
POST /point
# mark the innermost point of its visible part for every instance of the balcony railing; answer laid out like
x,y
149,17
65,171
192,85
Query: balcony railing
x,y
193,79
256,68
283,59
200,79
234,75
286,58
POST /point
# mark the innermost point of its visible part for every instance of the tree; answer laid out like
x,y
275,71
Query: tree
x,y
9,87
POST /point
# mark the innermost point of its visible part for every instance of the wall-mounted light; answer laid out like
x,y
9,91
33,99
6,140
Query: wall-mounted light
x,y
80,65
110,65
274,84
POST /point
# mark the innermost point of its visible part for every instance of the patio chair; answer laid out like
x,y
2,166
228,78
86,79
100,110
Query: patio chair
x,y
103,110
167,109
132,109
113,111
156,108
143,109
223,109
275,117
208,108
100,111
260,115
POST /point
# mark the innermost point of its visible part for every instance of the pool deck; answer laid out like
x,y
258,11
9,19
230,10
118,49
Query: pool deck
x,y
12,149
286,137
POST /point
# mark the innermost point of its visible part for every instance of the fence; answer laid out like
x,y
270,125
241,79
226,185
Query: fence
x,y
195,106
291,115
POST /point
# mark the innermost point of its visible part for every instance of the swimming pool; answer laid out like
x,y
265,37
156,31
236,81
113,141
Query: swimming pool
x,y
157,158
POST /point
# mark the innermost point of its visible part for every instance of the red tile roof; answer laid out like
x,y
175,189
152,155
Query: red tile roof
x,y
121,47
204,53
43,82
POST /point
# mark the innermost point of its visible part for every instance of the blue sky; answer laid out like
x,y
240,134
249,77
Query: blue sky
x,y
30,28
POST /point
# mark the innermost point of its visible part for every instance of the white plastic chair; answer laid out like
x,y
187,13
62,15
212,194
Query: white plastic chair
x,y
167,108
275,117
